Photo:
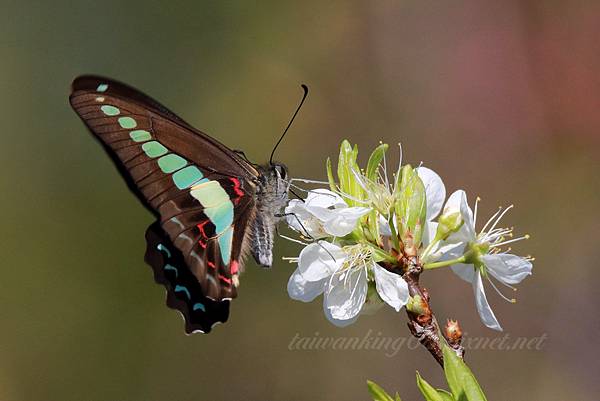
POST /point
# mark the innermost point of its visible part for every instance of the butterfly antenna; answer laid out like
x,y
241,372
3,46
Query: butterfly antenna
x,y
305,89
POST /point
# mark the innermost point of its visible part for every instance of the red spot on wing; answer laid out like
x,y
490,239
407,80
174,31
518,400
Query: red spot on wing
x,y
211,265
225,279
234,267
203,237
237,188
201,227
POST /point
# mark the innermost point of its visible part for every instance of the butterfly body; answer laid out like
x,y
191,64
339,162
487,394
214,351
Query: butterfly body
x,y
271,198
212,205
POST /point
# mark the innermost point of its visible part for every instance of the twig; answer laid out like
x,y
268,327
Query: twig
x,y
422,322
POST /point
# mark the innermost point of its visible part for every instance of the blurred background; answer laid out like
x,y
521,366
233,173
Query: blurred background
x,y
500,98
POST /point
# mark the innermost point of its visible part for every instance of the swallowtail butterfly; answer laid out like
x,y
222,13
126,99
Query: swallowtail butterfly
x,y
211,204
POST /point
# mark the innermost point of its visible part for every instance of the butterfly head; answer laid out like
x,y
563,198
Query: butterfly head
x,y
276,177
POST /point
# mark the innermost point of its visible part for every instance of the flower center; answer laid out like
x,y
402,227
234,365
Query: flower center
x,y
357,255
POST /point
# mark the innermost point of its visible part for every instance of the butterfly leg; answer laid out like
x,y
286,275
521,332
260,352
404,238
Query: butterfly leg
x,y
307,234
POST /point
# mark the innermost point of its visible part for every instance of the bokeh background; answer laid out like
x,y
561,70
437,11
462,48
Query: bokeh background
x,y
501,98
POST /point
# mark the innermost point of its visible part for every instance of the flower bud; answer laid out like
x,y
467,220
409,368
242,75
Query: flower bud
x,y
418,306
453,332
448,224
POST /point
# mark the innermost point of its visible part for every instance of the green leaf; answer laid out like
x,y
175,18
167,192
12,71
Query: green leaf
x,y
461,380
411,205
427,390
446,396
377,392
397,397
330,176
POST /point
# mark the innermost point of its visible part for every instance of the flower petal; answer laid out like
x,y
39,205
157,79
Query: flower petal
x,y
447,251
510,269
343,221
337,322
345,295
435,191
429,232
391,287
324,198
320,260
457,202
464,271
485,312
384,226
300,220
302,290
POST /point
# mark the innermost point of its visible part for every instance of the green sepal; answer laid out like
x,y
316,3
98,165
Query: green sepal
x,y
429,393
373,225
345,176
446,396
375,160
377,392
411,205
330,178
397,397
461,380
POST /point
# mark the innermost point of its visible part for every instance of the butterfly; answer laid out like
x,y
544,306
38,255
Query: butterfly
x,y
212,206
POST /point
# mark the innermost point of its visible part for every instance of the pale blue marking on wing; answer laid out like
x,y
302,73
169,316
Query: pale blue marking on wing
x,y
199,306
161,247
173,268
180,288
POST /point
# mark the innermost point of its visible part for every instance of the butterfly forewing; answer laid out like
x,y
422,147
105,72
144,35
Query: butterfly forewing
x,y
201,191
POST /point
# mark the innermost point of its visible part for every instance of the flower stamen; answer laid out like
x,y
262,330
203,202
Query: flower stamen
x,y
511,300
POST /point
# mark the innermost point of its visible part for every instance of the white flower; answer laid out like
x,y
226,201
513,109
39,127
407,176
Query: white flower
x,y
435,193
484,256
342,275
323,213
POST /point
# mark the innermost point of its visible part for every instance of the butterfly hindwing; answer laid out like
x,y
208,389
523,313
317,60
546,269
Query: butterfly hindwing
x,y
201,192
184,292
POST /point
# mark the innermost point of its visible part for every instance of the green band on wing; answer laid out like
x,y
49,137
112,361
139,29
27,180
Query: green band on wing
x,y
102,88
210,194
140,135
110,110
225,244
154,149
127,122
171,162
219,209
187,177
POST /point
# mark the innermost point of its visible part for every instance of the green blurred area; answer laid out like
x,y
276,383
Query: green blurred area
x,y
501,98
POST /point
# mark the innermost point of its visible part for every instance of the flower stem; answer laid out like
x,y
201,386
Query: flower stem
x,y
444,263
429,247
